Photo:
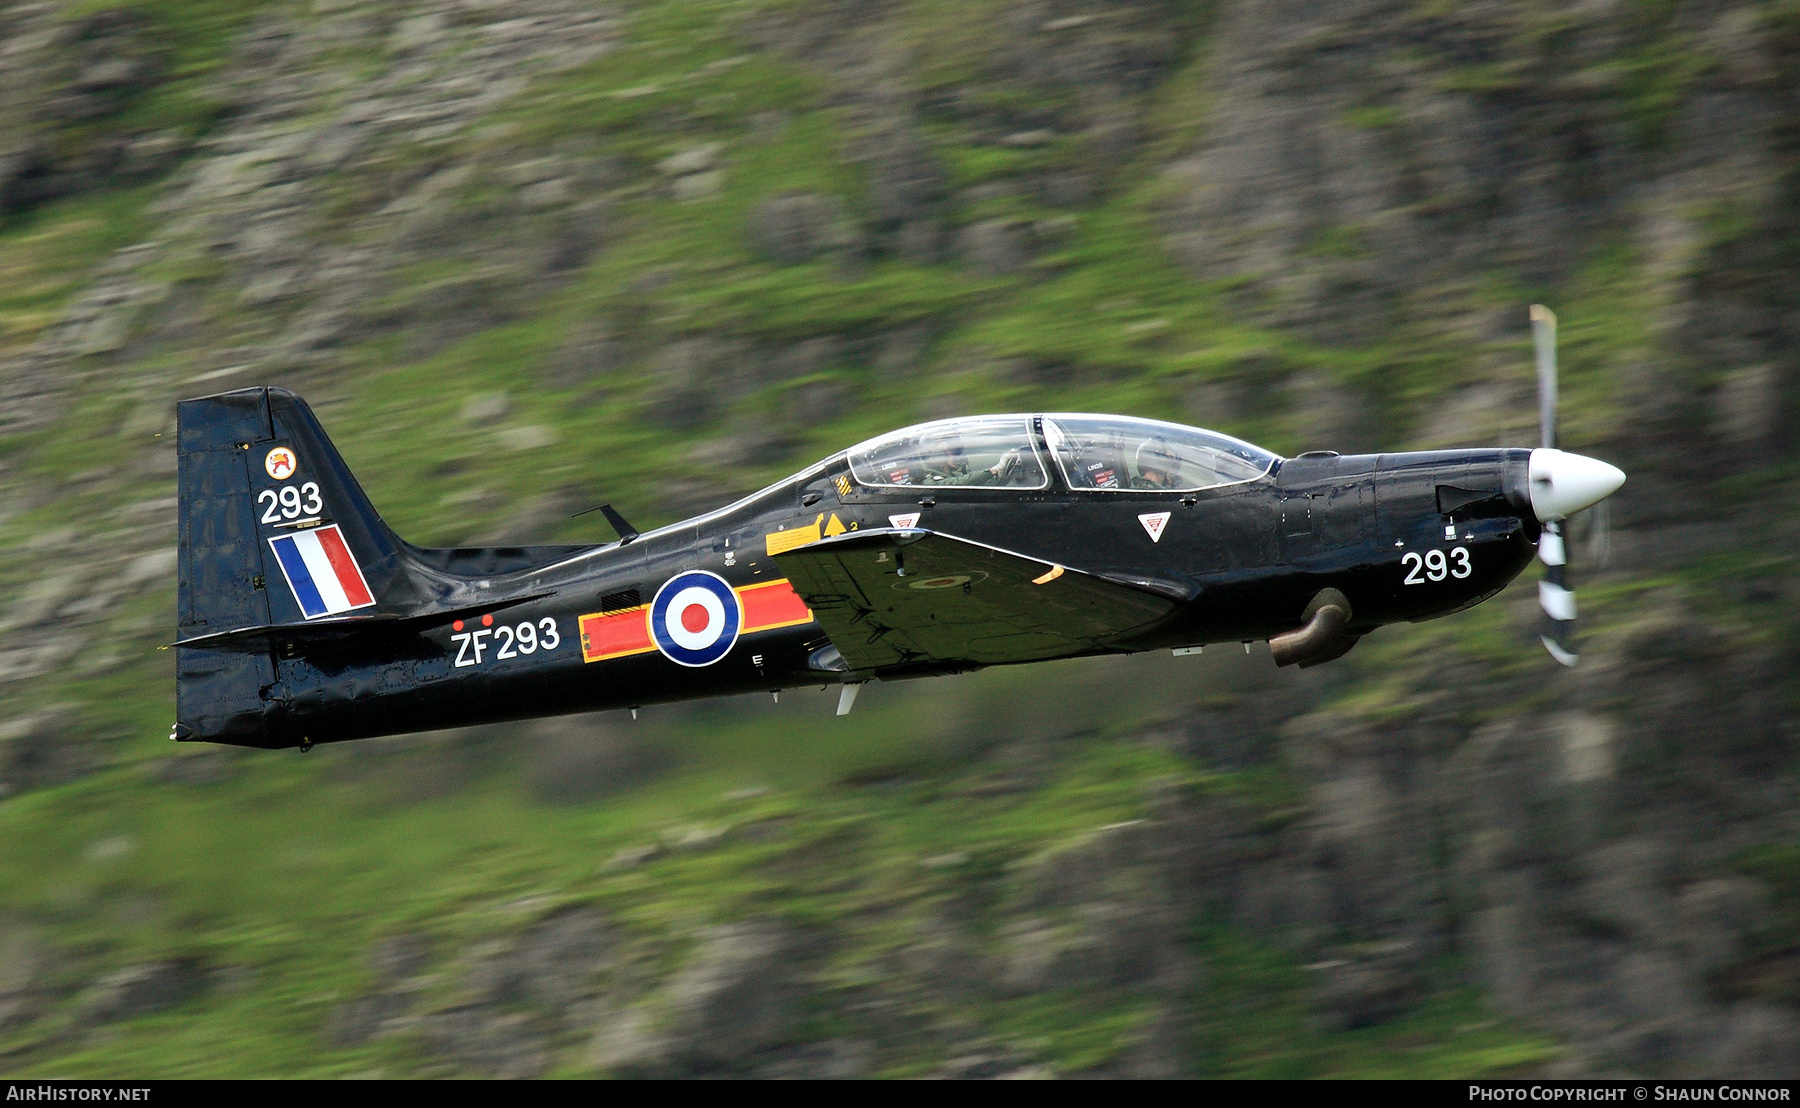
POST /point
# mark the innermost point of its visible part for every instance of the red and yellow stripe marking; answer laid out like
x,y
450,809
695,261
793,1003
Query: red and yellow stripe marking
x,y
616,634
766,606
770,605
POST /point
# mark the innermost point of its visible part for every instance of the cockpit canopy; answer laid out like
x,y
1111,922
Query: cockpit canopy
x,y
1112,453
981,452
1096,453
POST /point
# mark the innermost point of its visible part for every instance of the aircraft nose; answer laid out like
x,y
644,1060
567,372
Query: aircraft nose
x,y
1563,484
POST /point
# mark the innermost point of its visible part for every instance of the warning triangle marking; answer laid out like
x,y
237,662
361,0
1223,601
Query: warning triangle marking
x,y
1153,524
835,527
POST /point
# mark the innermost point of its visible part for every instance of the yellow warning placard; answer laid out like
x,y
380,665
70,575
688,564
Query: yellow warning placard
x,y
779,541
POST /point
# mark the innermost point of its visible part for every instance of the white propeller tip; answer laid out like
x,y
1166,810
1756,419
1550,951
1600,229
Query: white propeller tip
x,y
1563,483
1558,652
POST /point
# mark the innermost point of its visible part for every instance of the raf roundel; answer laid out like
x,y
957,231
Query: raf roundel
x,y
280,463
695,618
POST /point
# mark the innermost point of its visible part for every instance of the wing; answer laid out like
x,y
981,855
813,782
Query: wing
x,y
958,601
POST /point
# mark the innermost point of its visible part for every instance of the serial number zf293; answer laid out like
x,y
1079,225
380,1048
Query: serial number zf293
x,y
513,641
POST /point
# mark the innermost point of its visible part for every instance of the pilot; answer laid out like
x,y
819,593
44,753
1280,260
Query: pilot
x,y
956,471
1157,465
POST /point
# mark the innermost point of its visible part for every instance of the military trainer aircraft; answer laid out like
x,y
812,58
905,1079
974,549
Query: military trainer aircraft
x,y
941,548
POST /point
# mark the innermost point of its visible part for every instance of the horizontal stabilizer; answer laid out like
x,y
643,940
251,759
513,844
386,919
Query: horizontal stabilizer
x,y
908,597
329,634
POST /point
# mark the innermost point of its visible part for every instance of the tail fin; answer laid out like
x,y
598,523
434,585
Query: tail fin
x,y
274,527
284,557
274,530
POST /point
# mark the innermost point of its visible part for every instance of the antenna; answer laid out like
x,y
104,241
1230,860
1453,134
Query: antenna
x,y
626,531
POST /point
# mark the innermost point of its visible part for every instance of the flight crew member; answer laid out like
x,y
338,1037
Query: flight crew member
x,y
1157,466
957,471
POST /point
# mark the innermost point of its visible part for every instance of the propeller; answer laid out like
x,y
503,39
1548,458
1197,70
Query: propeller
x,y
1561,485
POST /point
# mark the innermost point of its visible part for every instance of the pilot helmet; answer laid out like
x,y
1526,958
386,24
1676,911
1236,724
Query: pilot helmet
x,y
1158,455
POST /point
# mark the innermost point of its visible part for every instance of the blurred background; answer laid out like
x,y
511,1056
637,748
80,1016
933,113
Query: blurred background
x,y
527,255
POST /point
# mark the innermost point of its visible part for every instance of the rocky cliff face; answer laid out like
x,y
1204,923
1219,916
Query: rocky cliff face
x,y
1374,170
525,255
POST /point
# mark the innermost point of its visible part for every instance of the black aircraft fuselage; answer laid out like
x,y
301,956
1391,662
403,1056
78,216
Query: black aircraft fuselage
x,y
304,619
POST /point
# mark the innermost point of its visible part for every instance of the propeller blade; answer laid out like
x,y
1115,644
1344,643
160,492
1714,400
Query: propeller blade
x,y
1563,484
1543,336
1555,596
1553,591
